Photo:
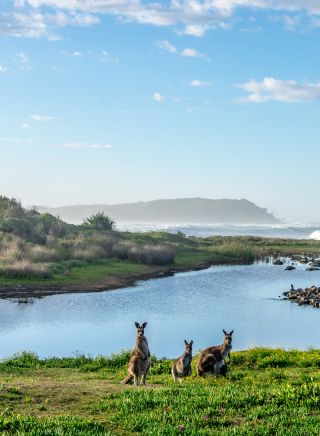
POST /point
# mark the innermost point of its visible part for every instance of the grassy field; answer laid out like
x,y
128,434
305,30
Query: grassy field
x,y
265,392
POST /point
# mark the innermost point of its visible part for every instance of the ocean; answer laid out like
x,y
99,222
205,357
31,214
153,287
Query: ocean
x,y
292,231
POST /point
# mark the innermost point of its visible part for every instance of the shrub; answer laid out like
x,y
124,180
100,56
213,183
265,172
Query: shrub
x,y
99,221
42,253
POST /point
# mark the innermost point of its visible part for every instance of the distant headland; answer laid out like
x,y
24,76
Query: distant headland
x,y
180,210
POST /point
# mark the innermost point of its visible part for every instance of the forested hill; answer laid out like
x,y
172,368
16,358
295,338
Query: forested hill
x,y
184,210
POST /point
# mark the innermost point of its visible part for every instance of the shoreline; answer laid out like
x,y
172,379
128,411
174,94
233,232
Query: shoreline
x,y
117,274
109,284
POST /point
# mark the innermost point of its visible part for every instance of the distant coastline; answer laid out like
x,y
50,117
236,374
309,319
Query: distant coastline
x,y
181,210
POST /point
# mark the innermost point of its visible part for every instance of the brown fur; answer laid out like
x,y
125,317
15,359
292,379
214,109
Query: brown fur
x,y
182,366
213,359
139,363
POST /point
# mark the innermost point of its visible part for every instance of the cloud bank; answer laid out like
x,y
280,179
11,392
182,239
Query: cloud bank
x,y
41,18
288,91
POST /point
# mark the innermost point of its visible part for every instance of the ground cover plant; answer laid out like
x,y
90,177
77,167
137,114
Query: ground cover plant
x,y
266,391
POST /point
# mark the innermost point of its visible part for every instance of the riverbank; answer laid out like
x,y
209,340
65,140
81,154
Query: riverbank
x,y
107,283
190,253
266,391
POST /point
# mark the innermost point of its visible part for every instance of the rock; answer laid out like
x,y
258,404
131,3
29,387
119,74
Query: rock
x,y
307,296
315,264
289,268
313,269
278,262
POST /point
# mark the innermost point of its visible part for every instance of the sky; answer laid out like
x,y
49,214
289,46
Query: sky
x,y
112,101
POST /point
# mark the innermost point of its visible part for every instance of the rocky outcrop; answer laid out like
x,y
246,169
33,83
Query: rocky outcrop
x,y
307,296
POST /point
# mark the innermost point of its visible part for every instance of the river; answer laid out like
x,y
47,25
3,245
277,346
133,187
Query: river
x,y
194,305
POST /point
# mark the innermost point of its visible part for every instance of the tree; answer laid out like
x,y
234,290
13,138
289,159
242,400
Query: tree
x,y
99,221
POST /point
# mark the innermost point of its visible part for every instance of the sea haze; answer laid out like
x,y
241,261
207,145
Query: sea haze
x,y
292,231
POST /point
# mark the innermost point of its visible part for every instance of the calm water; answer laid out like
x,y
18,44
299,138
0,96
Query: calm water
x,y
195,305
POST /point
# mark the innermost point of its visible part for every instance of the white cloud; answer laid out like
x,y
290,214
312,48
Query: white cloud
x,y
186,52
27,22
26,126
77,54
41,118
159,97
84,145
166,45
199,83
192,53
195,29
23,61
106,58
2,69
31,18
23,58
270,89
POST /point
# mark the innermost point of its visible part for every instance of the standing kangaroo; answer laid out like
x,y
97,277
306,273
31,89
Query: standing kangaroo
x,y
213,359
139,363
182,366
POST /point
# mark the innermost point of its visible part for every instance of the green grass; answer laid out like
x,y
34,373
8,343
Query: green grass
x,y
87,273
266,391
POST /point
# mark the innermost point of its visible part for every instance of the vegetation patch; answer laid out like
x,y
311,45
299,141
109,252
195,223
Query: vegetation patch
x,y
40,249
266,391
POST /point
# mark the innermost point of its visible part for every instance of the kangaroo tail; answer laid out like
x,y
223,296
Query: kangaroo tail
x,y
127,380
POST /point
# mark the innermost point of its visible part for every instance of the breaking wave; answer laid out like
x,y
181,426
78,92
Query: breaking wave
x,y
315,235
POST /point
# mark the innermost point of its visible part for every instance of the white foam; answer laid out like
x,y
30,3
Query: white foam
x,y
315,235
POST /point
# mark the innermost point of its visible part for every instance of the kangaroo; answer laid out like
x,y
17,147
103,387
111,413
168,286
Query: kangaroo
x,y
213,359
139,363
182,366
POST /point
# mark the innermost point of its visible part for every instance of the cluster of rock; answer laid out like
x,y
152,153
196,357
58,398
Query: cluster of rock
x,y
307,296
313,264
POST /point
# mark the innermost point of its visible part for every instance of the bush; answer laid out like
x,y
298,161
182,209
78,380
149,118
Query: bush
x,y
146,254
42,253
100,221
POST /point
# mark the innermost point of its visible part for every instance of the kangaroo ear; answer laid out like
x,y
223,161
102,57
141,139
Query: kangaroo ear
x,y
231,332
224,332
137,324
185,342
144,325
191,342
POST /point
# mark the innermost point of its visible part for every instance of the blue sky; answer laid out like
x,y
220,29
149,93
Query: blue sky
x,y
117,101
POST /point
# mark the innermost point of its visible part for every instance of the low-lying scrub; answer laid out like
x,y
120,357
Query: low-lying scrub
x,y
24,270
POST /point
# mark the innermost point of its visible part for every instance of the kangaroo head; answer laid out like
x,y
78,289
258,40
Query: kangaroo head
x,y
228,337
140,329
188,346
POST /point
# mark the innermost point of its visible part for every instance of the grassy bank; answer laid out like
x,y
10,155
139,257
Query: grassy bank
x,y
41,254
109,272
265,392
